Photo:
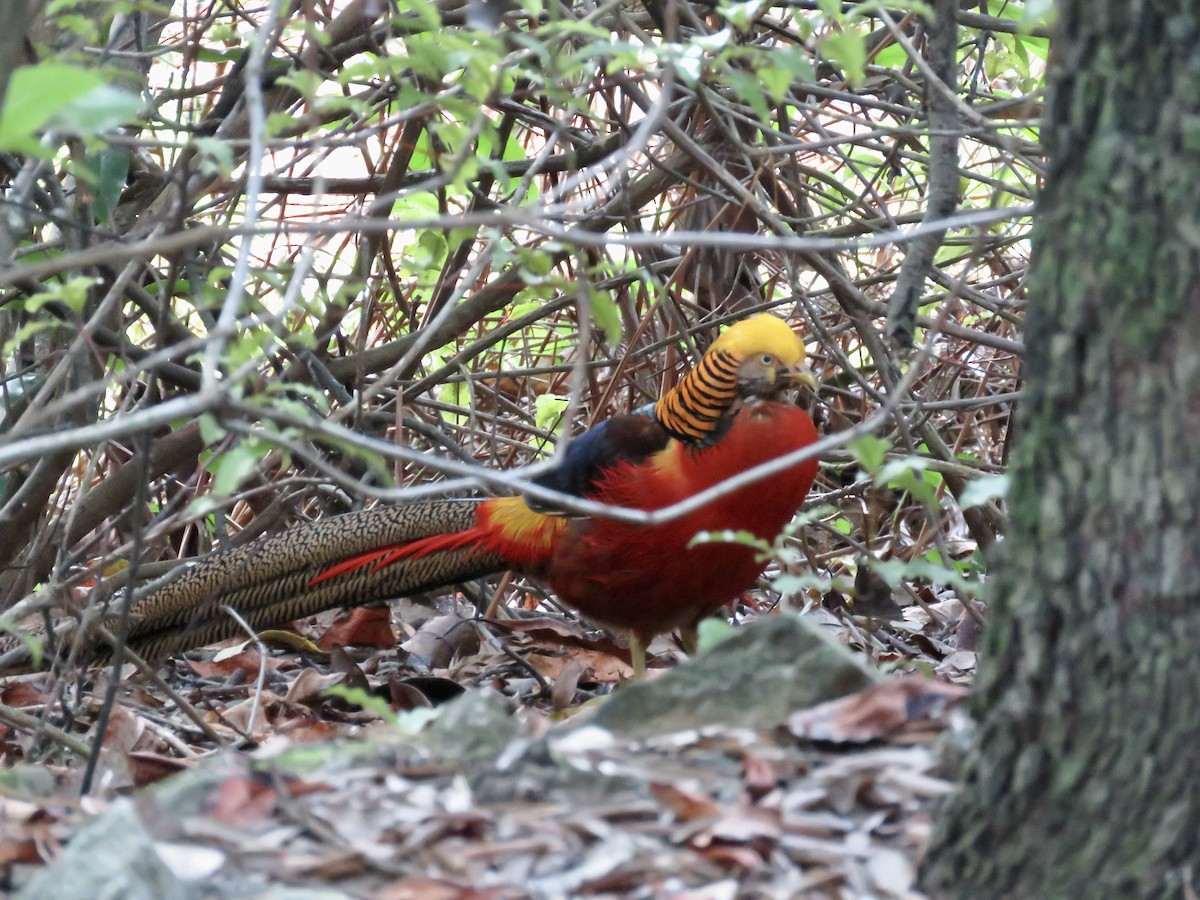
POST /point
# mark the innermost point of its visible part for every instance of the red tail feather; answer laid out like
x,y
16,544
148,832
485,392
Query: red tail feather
x,y
385,556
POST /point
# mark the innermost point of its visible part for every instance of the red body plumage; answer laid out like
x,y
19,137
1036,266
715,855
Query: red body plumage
x,y
647,578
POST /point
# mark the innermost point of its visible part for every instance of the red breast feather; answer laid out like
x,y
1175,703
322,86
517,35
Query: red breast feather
x,y
646,578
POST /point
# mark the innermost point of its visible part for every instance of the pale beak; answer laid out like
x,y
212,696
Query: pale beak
x,y
802,375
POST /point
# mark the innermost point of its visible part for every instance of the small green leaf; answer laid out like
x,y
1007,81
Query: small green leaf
x,y
35,95
690,65
795,60
430,250
775,81
910,474
982,490
898,467
847,50
548,410
742,15
749,89
869,451
895,572
1037,12
72,293
216,157
364,701
231,468
211,430
607,315
98,111
110,165
712,631
718,40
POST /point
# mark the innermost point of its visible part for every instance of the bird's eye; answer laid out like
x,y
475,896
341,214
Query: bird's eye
x,y
766,359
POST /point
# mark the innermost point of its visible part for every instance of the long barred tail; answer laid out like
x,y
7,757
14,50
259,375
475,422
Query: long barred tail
x,y
276,579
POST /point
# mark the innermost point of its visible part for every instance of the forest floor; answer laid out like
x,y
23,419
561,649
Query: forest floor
x,y
801,756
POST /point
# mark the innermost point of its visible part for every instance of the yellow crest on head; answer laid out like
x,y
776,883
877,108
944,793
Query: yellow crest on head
x,y
763,333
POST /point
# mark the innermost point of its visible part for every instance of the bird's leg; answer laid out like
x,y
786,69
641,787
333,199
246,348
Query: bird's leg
x,y
689,638
637,656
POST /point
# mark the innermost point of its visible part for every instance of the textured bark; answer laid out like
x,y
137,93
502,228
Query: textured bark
x,y
1082,781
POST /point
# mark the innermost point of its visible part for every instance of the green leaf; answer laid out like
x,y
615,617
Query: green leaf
x,y
712,631
110,166
210,55
775,81
748,89
211,430
280,123
690,65
72,293
795,60
35,94
548,410
794,584
216,157
231,468
870,452
425,255
982,490
1037,12
895,572
606,314
98,111
742,15
911,474
364,701
891,57
847,50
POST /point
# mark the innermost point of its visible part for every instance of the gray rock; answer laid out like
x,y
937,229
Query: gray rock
x,y
754,679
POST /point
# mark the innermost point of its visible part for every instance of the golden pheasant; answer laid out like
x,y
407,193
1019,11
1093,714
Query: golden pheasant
x,y
646,579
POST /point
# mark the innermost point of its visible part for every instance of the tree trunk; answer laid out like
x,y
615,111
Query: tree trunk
x,y
1084,780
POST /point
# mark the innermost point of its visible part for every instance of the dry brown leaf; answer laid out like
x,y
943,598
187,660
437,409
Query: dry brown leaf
x,y
241,801
685,805
363,626
555,632
418,888
405,696
758,775
124,730
732,856
604,668
238,717
26,691
566,685
876,712
746,825
248,662
545,628
309,686
151,767
441,639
